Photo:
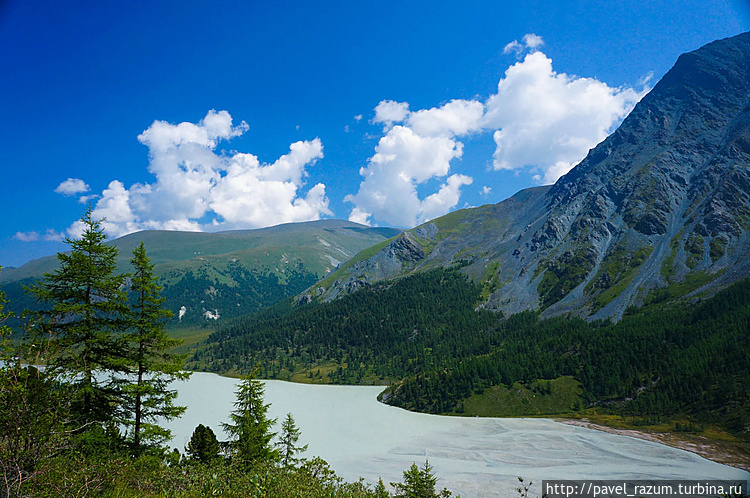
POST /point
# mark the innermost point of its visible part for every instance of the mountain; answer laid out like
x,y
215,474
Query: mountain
x,y
657,211
650,229
207,276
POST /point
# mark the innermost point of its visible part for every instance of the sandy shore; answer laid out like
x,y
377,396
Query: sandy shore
x,y
734,454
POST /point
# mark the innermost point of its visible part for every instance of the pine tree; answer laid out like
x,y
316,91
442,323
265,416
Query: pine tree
x,y
149,358
87,311
250,430
290,434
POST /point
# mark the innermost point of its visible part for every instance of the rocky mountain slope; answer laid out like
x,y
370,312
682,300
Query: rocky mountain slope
x,y
659,210
207,276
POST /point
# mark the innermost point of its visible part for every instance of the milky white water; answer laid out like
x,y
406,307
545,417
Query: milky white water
x,y
358,436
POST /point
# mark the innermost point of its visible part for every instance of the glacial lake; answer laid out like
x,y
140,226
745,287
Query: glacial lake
x,y
476,457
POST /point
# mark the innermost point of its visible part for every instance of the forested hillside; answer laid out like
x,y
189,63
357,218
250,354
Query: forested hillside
x,y
208,277
422,335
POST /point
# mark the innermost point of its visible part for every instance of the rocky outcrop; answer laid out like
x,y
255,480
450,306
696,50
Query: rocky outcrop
x,y
664,200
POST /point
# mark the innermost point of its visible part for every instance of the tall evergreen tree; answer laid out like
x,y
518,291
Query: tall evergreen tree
x,y
87,310
250,430
149,358
287,444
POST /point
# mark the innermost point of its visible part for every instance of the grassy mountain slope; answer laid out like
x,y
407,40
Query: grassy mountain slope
x,y
227,273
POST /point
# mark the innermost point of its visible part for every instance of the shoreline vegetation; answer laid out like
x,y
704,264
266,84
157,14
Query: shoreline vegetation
x,y
712,443
677,368
431,358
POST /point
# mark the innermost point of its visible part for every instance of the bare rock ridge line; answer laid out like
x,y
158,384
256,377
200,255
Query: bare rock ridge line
x,y
658,210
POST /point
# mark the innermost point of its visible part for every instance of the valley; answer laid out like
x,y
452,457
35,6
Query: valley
x,y
617,299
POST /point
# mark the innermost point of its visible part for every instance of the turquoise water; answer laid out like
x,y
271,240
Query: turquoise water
x,y
358,436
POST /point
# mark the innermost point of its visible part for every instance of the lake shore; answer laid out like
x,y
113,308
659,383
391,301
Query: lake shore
x,y
734,454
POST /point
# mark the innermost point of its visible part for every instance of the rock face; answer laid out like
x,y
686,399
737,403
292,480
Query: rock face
x,y
660,209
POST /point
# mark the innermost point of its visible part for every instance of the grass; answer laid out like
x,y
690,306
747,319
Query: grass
x,y
523,400
675,290
320,374
668,269
491,281
694,249
191,338
622,267
361,256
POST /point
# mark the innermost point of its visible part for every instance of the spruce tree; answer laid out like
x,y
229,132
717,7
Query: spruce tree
x,y
152,367
203,445
85,315
250,430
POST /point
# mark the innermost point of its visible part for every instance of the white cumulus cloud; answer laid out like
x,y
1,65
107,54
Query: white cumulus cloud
x,y
389,112
531,42
542,121
548,121
457,117
403,160
27,236
198,187
72,186
49,235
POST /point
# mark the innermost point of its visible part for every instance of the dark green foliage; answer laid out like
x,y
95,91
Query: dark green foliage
x,y
564,275
386,331
248,290
250,428
115,475
88,312
33,410
203,445
668,361
717,248
419,483
150,365
287,444
694,250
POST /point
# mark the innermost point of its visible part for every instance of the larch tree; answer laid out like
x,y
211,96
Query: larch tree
x,y
151,364
419,483
86,312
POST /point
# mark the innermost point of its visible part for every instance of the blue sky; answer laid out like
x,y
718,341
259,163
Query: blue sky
x,y
222,115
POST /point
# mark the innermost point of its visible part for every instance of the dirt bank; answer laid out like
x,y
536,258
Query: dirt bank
x,y
732,453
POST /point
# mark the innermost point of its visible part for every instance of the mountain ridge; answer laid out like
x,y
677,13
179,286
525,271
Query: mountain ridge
x,y
228,273
662,203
